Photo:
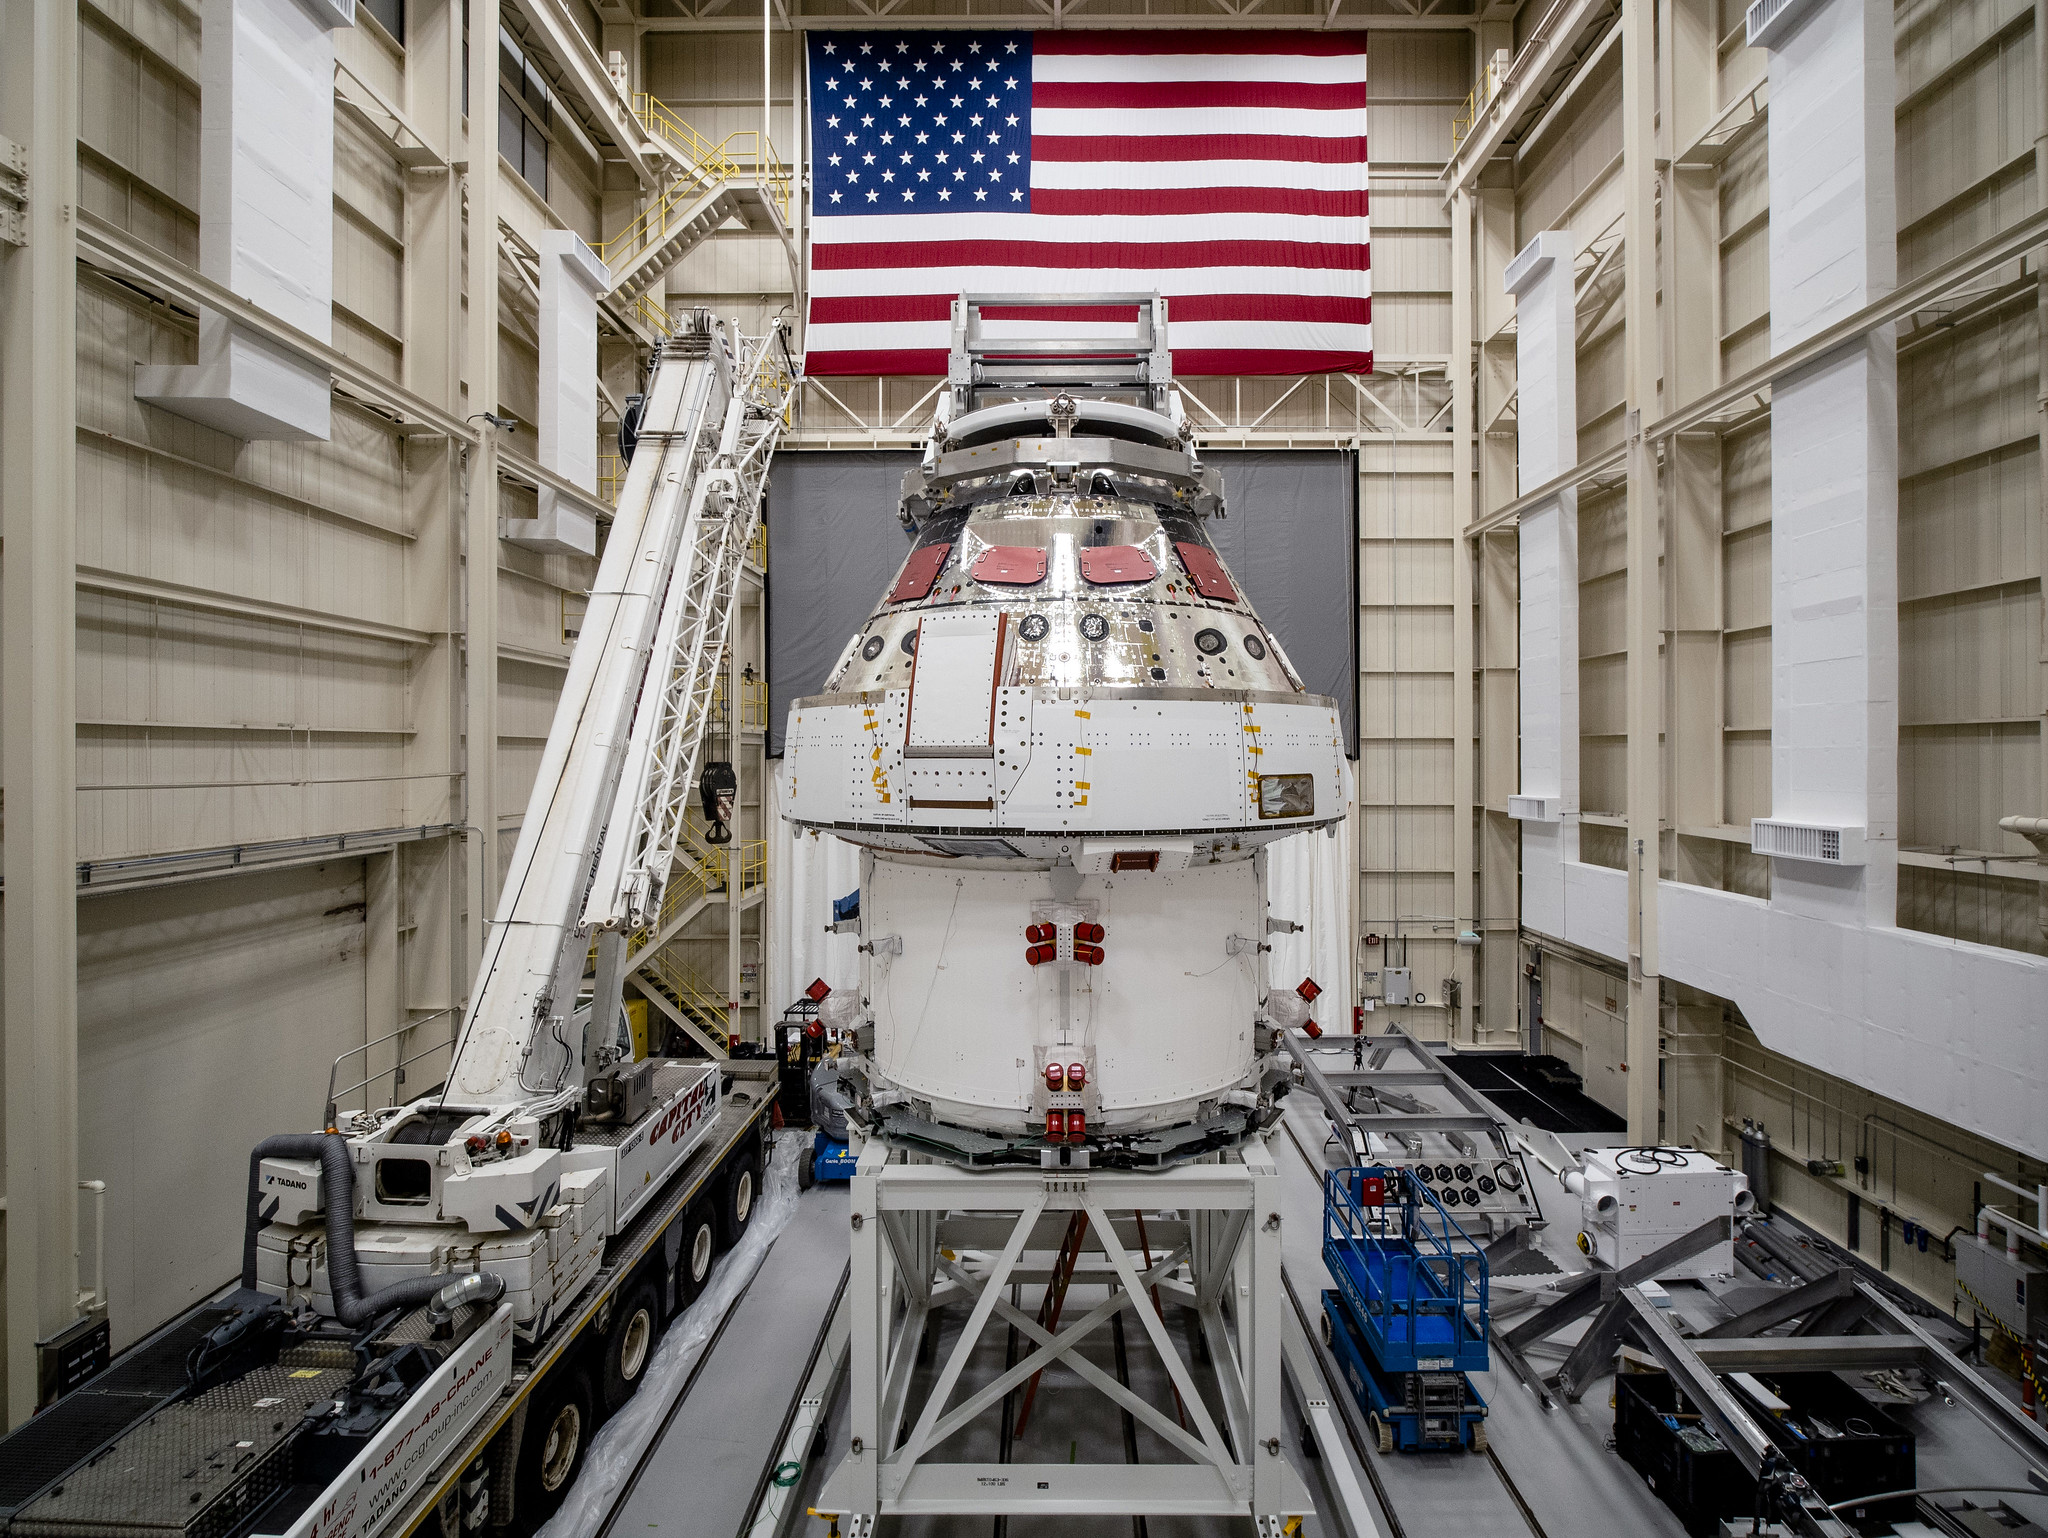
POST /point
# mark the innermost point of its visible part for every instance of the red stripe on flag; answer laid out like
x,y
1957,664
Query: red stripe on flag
x,y
1338,96
880,360
868,256
1097,148
1321,45
1076,201
886,309
1188,363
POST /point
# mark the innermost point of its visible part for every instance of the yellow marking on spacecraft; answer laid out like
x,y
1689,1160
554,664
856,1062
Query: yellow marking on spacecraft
x,y
1089,752
1083,715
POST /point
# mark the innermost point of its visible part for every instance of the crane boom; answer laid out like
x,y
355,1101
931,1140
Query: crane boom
x,y
598,833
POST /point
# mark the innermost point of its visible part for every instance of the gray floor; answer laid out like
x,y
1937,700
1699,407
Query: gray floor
x,y
699,1479
702,1475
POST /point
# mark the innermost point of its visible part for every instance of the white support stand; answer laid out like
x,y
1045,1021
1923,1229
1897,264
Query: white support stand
x,y
1217,1254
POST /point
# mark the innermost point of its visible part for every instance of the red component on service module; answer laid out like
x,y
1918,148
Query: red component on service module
x,y
1056,1126
1038,955
1055,1077
1088,955
1077,1127
1077,1075
1089,932
1039,934
1310,1027
1310,989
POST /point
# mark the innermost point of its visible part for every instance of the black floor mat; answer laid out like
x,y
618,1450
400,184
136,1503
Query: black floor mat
x,y
1541,1091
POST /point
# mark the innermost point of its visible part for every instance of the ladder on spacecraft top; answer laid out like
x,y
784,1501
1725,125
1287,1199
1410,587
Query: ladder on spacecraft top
x,y
606,815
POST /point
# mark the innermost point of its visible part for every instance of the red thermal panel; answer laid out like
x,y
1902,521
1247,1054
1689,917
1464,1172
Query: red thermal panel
x,y
1206,572
919,573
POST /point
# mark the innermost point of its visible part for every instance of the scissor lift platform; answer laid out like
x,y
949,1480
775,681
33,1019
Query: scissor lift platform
x,y
1408,1315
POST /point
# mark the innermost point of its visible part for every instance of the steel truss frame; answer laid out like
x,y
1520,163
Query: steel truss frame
x,y
1397,1115
1827,1311
930,1237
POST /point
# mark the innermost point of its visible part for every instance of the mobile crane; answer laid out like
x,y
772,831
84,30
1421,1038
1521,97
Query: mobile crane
x,y
438,1300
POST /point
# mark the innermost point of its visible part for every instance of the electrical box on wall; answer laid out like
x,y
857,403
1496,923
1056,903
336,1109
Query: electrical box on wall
x,y
2012,1291
1397,986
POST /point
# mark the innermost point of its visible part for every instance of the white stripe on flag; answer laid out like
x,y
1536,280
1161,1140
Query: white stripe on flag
x,y
1308,69
1084,229
1321,281
1183,122
1100,175
1088,279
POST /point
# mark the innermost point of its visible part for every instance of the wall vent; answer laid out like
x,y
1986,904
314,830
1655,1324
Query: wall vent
x,y
1767,23
1533,808
1822,843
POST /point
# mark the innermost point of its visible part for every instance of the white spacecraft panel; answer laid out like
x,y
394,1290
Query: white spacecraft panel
x,y
1153,763
961,1014
953,680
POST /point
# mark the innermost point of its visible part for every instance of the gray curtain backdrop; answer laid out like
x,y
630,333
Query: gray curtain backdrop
x,y
1291,539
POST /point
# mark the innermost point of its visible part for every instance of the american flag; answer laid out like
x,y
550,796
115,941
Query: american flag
x,y
1226,171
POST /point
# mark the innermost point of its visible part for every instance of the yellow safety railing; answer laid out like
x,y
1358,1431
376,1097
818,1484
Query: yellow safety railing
x,y
645,309
1461,120
611,476
753,703
757,549
1480,96
660,120
689,988
735,158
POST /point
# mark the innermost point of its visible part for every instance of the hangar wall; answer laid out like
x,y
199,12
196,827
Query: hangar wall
x,y
1908,1028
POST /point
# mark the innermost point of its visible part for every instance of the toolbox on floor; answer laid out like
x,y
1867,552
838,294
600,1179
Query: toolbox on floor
x,y
1407,1319
1661,1436
1844,1445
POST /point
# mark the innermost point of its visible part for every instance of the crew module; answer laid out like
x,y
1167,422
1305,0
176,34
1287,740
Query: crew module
x,y
1064,741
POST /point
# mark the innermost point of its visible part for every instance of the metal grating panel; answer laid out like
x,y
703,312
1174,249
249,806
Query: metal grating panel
x,y
196,1469
74,1428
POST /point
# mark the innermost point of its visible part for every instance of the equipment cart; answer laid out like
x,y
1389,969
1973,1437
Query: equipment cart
x,y
1408,1316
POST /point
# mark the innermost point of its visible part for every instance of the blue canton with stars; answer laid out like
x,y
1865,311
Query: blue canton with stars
x,y
920,122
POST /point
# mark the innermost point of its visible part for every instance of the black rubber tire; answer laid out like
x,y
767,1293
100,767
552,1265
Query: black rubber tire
x,y
629,1344
700,1252
739,1196
559,1426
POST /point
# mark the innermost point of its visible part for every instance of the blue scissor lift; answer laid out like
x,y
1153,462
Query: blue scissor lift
x,y
1407,1318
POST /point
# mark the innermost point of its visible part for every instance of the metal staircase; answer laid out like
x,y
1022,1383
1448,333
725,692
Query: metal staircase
x,y
738,177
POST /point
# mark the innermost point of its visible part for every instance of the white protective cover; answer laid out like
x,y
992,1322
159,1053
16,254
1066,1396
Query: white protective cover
x,y
962,1019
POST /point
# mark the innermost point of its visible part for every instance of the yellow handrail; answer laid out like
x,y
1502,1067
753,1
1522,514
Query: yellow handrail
x,y
708,164
753,702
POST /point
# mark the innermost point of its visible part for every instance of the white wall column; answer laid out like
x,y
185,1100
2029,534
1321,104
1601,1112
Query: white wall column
x,y
266,217
1546,433
1834,458
571,279
38,697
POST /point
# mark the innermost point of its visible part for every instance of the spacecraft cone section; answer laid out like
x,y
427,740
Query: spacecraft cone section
x,y
1063,739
